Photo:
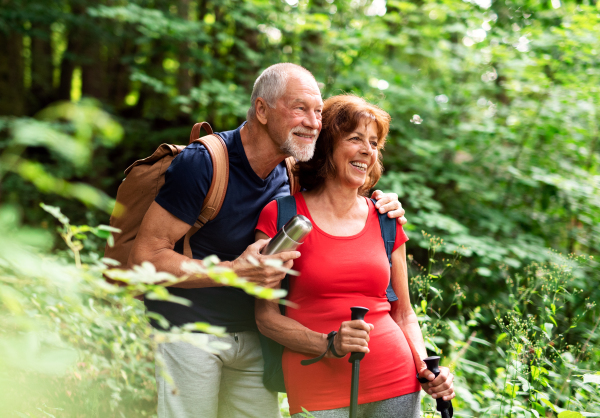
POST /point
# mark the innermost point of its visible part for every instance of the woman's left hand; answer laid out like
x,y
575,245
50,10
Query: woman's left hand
x,y
388,203
441,386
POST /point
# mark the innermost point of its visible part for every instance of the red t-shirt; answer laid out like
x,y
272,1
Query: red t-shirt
x,y
337,273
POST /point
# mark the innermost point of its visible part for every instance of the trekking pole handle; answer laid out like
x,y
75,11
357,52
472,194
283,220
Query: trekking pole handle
x,y
358,312
433,364
444,407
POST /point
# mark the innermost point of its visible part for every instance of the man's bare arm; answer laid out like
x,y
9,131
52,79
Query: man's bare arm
x,y
159,232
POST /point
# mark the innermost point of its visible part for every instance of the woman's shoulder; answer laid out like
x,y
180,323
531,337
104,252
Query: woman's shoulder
x,y
267,221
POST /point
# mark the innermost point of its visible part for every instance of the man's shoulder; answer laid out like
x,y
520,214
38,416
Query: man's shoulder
x,y
231,138
197,151
194,157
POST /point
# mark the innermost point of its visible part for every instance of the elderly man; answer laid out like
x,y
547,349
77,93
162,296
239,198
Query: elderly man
x,y
284,119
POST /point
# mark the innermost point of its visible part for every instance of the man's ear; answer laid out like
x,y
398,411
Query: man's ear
x,y
262,109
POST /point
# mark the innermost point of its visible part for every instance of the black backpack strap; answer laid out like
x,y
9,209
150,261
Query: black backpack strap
x,y
272,351
286,210
388,233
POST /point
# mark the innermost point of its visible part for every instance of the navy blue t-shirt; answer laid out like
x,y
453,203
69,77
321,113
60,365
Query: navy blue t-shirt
x,y
186,183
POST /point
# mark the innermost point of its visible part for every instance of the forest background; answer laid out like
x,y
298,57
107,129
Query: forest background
x,y
493,150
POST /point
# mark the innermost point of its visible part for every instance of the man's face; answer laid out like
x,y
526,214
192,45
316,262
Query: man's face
x,y
296,121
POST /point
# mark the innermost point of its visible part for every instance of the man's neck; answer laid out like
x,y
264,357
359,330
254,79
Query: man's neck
x,y
262,152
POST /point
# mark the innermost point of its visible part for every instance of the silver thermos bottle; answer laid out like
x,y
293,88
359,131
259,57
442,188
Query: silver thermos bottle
x,y
290,236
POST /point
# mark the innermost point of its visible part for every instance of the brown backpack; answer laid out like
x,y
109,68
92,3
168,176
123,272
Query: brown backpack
x,y
145,177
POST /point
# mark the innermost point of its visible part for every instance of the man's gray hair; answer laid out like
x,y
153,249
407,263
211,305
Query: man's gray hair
x,y
271,84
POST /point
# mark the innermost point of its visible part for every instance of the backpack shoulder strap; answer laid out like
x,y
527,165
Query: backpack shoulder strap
x,y
290,162
213,201
388,233
195,134
286,210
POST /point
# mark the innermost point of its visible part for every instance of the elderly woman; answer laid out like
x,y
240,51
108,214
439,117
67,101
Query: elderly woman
x,y
343,263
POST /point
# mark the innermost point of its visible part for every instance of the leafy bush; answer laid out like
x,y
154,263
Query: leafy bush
x,y
527,366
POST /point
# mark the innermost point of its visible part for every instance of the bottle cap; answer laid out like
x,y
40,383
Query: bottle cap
x,y
297,228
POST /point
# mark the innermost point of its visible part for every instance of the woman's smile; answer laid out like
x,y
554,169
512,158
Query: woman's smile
x,y
362,167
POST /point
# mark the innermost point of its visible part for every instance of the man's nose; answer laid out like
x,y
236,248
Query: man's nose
x,y
311,121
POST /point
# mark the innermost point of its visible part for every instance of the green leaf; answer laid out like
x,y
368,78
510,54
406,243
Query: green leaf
x,y
511,390
108,228
436,291
205,327
501,337
424,305
484,271
548,404
591,378
547,328
56,212
101,233
570,414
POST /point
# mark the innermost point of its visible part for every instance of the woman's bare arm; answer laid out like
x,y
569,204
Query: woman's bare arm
x,y
404,315
402,312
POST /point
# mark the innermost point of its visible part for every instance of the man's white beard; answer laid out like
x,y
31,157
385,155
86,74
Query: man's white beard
x,y
292,146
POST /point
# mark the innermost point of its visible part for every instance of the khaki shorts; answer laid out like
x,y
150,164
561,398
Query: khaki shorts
x,y
224,385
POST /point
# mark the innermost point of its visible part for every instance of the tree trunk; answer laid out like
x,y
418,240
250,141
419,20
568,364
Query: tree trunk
x,y
245,68
93,68
42,91
11,74
184,80
71,57
202,10
119,72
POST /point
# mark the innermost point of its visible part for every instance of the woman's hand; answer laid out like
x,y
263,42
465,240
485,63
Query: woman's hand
x,y
352,337
441,386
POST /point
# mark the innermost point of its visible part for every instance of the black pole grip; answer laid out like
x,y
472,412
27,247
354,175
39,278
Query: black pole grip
x,y
444,407
358,312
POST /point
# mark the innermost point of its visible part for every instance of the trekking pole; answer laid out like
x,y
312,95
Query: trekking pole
x,y
358,312
444,407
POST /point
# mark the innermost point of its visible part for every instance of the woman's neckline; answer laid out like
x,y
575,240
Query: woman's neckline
x,y
300,198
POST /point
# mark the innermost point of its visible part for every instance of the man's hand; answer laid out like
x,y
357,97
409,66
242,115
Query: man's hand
x,y
439,387
352,337
262,275
388,203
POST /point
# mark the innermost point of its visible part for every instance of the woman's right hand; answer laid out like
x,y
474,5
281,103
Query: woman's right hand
x,y
352,337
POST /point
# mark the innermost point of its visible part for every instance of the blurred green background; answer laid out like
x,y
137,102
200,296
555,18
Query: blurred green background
x,y
493,150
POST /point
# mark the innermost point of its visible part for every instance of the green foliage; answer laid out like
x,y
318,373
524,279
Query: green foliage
x,y
493,150
74,342
79,345
69,133
526,367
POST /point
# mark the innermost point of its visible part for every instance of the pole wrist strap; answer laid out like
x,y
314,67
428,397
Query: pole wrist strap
x,y
329,347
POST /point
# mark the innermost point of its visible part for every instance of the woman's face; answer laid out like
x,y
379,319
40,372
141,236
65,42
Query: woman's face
x,y
355,154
